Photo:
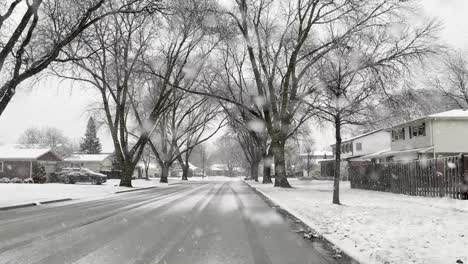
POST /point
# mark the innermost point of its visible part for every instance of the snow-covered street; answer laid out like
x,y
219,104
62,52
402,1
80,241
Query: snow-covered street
x,y
378,227
220,221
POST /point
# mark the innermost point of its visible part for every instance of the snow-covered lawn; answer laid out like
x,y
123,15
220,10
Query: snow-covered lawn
x,y
14,194
378,227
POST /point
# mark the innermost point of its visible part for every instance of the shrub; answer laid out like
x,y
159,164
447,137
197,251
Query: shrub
x,y
28,180
16,180
39,174
53,177
4,180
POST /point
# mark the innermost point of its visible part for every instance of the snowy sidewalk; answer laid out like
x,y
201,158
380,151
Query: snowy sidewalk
x,y
378,227
12,194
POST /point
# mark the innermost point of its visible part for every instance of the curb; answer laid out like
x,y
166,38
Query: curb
x,y
352,255
137,189
11,207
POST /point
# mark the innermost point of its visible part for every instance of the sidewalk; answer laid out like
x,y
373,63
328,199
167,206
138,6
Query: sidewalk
x,y
12,194
378,227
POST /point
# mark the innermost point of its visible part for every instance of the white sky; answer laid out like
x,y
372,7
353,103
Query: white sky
x,y
63,105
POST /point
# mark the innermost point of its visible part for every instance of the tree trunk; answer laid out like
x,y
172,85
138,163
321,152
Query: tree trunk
x,y
336,179
267,168
254,171
280,165
164,174
185,170
127,174
146,172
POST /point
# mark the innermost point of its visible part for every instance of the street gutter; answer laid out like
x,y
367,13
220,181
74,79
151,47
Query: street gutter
x,y
353,256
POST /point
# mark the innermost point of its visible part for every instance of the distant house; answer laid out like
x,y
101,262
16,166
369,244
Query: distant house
x,y
315,156
176,170
94,162
18,162
223,170
442,134
355,148
311,161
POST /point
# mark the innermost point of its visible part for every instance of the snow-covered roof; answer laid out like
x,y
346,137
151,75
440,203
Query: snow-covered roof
x,y
218,167
319,153
13,153
88,157
359,136
455,114
387,153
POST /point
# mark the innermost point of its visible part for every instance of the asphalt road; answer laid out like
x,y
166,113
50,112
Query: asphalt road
x,y
209,222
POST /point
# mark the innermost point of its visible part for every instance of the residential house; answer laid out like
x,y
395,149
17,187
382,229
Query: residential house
x,y
176,170
311,161
19,162
223,170
442,134
357,149
353,149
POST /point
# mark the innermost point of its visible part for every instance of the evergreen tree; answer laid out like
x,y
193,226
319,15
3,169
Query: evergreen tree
x,y
90,143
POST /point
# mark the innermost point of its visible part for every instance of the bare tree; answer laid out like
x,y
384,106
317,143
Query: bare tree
x,y
197,130
111,59
35,32
354,75
180,129
48,137
453,81
230,153
231,75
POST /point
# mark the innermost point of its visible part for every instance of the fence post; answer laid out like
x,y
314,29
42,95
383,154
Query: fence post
x,y
463,187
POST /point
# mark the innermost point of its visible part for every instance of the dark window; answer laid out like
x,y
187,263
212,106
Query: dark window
x,y
417,131
358,146
398,134
1,166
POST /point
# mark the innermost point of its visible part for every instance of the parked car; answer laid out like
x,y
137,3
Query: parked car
x,y
73,175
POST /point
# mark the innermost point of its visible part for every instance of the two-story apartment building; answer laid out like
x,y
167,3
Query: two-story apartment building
x,y
442,134
369,143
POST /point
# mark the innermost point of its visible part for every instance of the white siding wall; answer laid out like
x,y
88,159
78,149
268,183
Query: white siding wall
x,y
372,143
415,142
450,136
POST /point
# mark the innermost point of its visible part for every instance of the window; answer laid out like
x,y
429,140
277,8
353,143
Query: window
x,y
1,166
358,146
398,134
417,131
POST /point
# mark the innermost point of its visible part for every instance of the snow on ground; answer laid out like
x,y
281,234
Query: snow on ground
x,y
378,227
14,194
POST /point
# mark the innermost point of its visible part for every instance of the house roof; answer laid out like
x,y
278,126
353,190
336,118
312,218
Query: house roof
x,y
387,153
359,136
456,114
319,153
14,153
452,114
218,167
88,157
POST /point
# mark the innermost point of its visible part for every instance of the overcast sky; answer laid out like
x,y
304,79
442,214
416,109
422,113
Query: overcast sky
x,y
63,105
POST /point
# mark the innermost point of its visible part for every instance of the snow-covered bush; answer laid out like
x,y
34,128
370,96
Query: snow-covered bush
x,y
28,180
16,180
4,180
